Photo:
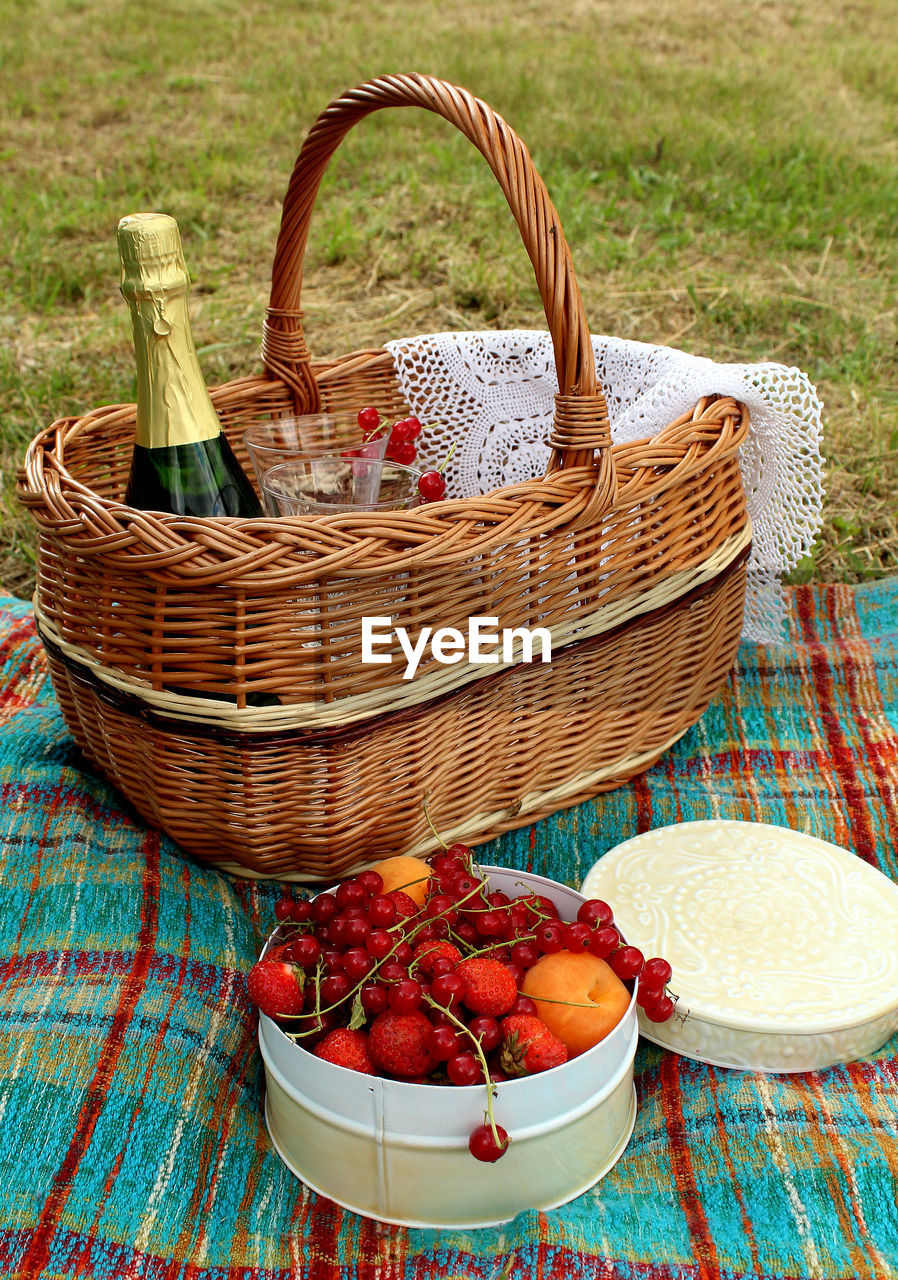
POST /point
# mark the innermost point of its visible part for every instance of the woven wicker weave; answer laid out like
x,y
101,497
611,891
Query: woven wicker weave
x,y
632,556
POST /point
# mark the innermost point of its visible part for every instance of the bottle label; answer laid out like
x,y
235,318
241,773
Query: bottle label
x,y
173,405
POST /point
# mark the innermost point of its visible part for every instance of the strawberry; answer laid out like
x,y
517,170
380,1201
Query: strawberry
x,y
276,988
489,987
397,1043
427,952
345,1048
405,906
528,1046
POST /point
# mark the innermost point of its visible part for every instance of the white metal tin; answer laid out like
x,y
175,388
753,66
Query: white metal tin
x,y
399,1152
784,948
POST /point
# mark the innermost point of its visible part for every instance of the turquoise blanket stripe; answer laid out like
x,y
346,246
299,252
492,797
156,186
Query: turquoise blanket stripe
x,y
131,1136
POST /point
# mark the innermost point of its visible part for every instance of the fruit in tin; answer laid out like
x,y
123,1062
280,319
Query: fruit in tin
x,y
397,1043
276,988
410,875
528,1046
345,1048
577,996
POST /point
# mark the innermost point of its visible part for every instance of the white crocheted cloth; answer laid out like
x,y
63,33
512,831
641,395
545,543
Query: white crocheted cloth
x,y
493,394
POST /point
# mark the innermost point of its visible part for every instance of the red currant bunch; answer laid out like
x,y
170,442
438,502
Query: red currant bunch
x,y
401,447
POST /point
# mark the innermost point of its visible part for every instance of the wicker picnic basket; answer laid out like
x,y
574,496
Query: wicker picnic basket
x,y
633,556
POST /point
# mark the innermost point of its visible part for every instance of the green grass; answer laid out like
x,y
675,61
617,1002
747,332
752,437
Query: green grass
x,y
727,178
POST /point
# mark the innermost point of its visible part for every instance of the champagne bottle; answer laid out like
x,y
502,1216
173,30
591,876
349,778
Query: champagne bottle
x,y
182,461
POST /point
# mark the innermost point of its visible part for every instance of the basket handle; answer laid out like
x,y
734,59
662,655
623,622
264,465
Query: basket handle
x,y
580,435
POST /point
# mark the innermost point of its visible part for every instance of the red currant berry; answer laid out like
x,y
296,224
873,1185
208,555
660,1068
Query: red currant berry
x,y
392,972
431,486
647,996
324,908
414,427
283,908
661,1011
627,962
542,906
381,912
441,864
371,881
405,997
464,1069
577,936
334,988
404,953
374,999
357,932
444,1043
338,927
486,1030
521,920
380,943
439,1017
459,851
656,972
305,952
369,419
400,432
442,965
493,924
356,964
482,1143
525,954
468,885
441,905
448,990
550,937
311,1027
332,959
596,913
405,454
350,894
604,941
523,1004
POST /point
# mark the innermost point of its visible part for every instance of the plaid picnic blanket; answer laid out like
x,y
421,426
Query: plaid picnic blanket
x,y
131,1135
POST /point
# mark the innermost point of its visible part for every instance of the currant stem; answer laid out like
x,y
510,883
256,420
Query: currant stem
x,y
445,463
427,815
478,1049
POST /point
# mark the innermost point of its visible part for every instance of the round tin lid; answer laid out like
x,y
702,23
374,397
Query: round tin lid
x,y
784,948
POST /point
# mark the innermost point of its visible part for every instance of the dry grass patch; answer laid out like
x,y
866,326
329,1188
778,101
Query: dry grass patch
x,y
714,198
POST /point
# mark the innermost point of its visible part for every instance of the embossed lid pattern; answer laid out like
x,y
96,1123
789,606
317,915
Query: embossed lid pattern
x,y
768,930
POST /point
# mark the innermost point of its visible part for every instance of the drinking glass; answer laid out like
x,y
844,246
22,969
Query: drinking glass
x,y
327,484
282,439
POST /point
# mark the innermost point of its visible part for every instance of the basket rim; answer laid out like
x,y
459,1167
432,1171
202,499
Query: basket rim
x,y
295,549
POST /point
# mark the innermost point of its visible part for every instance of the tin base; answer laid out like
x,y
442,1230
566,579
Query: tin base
x,y
592,1146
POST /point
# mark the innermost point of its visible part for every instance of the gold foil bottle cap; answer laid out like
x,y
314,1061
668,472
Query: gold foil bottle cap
x,y
149,246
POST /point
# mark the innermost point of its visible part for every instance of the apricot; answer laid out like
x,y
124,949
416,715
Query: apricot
x,y
408,874
597,999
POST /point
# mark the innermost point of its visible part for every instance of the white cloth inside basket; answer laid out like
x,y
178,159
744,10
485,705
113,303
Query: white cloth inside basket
x,y
493,393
